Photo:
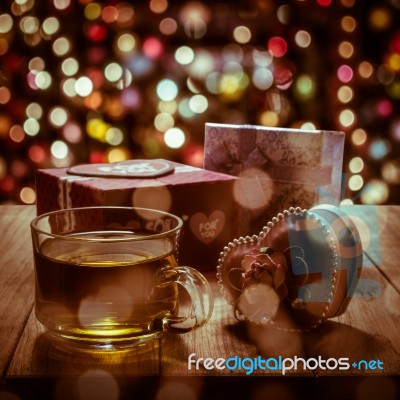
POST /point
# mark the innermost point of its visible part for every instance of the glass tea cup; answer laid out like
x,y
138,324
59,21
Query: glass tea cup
x,y
108,277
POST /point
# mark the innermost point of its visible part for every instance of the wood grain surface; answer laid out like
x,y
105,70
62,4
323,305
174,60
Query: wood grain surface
x,y
16,282
367,330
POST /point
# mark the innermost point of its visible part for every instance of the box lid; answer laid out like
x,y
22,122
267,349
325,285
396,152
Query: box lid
x,y
135,174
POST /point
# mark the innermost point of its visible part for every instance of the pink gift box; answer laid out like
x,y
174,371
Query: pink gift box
x,y
277,168
203,199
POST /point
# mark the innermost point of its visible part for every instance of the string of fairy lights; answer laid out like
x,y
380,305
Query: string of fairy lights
x,y
86,81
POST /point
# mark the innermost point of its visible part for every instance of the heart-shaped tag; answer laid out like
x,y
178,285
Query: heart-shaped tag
x,y
304,261
206,229
125,169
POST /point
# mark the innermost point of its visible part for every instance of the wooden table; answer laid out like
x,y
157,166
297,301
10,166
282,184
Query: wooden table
x,y
368,330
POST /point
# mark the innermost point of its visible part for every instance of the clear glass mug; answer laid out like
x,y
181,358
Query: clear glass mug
x,y
108,277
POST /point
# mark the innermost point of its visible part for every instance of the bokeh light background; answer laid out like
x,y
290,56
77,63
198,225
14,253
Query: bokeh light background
x,y
85,81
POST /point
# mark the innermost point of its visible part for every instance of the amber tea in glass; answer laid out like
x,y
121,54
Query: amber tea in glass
x,y
108,277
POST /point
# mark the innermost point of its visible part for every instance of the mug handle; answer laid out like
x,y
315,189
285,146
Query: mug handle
x,y
199,290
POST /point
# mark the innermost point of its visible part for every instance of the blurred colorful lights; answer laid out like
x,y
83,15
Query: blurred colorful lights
x,y
129,80
174,138
167,89
277,46
345,73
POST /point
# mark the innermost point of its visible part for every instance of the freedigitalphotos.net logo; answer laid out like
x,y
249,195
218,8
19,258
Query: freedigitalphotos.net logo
x,y
250,365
